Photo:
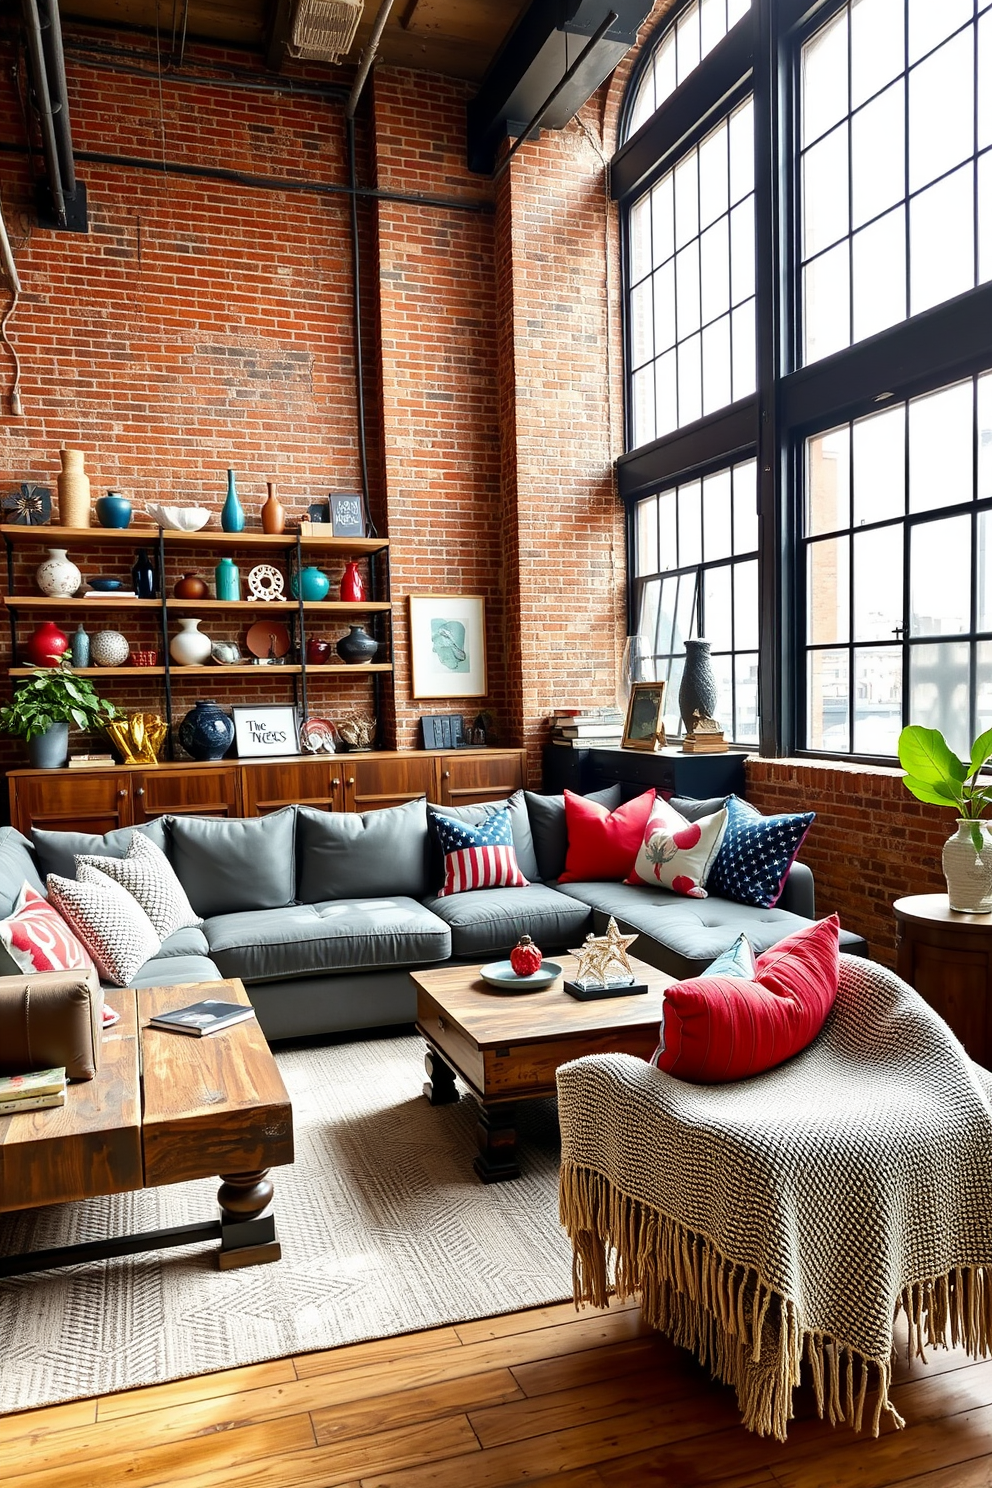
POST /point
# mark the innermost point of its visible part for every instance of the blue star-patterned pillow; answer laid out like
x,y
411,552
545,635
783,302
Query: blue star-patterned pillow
x,y
478,856
756,853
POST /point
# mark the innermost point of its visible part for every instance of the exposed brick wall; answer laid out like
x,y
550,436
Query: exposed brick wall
x,y
871,843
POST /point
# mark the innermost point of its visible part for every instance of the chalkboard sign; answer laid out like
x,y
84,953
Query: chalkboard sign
x,y
347,516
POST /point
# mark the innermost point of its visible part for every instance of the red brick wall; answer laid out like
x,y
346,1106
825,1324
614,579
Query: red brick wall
x,y
871,842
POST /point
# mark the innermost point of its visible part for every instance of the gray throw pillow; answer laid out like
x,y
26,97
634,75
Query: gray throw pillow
x,y
17,867
345,855
229,864
550,831
523,842
57,851
693,810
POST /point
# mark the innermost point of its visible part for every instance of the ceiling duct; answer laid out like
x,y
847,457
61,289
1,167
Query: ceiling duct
x,y
323,30
534,75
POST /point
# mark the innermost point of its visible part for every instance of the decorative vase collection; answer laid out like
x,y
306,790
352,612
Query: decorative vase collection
x,y
190,586
57,576
74,490
227,579
80,647
697,690
109,648
968,869
357,646
190,647
272,514
309,584
113,510
207,732
46,645
318,652
352,583
143,576
232,517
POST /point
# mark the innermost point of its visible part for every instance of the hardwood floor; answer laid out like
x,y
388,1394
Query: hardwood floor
x,y
588,1400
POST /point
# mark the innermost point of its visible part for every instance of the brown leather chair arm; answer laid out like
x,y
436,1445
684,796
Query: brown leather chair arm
x,y
51,1019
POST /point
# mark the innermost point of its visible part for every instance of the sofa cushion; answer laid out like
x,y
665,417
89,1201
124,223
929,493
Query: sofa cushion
x,y
230,864
478,856
756,853
677,853
694,809
338,935
346,855
550,830
57,851
36,938
113,927
523,842
17,867
603,844
150,878
175,971
190,941
489,922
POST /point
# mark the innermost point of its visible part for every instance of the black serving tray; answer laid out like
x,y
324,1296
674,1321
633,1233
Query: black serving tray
x,y
593,994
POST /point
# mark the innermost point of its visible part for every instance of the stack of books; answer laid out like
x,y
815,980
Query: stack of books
x,y
705,743
587,728
29,1092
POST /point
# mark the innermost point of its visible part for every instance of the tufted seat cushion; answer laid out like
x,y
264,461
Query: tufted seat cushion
x,y
336,935
489,922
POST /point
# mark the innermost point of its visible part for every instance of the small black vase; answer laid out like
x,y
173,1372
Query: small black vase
x,y
143,576
207,732
697,690
357,646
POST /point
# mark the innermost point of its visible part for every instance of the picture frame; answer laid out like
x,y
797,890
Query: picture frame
x,y
448,645
347,514
644,726
268,729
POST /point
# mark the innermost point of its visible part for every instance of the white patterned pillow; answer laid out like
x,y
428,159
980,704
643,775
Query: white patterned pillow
x,y
112,926
149,877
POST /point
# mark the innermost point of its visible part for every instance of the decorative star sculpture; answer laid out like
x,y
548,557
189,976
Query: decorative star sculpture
x,y
603,958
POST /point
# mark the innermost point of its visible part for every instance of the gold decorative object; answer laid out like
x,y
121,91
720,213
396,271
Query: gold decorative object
x,y
357,730
139,737
603,960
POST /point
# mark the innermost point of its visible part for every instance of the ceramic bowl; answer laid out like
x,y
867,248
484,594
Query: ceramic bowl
x,y
501,974
180,518
105,586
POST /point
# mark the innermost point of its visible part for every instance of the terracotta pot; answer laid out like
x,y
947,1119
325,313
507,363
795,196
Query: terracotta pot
x,y
191,586
273,515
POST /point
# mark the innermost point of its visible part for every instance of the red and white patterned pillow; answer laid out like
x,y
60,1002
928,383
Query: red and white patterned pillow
x,y
37,938
678,854
114,928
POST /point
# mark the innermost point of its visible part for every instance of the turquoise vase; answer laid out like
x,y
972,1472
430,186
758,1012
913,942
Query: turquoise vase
x,y
228,579
311,583
232,517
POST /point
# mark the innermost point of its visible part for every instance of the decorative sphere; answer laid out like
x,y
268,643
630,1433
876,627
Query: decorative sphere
x,y
108,648
207,732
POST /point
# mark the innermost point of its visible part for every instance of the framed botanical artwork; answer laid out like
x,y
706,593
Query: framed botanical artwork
x,y
644,727
265,730
448,645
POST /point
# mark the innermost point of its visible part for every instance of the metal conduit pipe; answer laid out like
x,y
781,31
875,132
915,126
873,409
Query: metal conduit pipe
x,y
51,36
367,58
39,77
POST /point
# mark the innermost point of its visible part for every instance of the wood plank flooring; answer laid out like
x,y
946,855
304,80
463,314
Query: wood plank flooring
x,y
548,1396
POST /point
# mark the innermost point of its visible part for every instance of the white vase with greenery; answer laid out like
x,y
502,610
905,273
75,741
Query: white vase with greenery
x,y
935,774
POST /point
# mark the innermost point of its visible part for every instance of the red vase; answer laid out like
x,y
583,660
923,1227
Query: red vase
x,y
352,583
47,645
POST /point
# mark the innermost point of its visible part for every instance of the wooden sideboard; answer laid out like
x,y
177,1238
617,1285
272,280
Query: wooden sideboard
x,y
98,800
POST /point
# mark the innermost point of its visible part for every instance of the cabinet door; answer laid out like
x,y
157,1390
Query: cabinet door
x,y
315,782
212,790
371,784
71,800
466,779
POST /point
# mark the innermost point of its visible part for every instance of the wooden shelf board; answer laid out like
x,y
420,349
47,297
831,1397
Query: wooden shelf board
x,y
106,602
340,667
67,537
42,536
98,671
281,606
181,673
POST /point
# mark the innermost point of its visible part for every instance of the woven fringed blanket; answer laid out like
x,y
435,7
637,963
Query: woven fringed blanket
x,y
787,1219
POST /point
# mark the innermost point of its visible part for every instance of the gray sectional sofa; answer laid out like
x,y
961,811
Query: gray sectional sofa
x,y
324,914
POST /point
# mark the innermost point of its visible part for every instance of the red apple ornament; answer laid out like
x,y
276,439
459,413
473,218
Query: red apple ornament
x,y
525,958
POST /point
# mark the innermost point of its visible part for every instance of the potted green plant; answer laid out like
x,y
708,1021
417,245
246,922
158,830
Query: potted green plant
x,y
935,774
46,705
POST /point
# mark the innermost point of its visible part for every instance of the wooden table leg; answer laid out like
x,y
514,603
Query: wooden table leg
x,y
439,1088
248,1230
496,1134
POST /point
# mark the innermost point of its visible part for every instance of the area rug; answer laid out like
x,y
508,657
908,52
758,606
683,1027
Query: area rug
x,y
384,1226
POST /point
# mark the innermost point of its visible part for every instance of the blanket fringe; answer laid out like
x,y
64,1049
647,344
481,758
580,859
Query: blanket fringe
x,y
745,1332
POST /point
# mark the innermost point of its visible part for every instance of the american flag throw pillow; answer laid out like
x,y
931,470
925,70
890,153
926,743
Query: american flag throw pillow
x,y
478,857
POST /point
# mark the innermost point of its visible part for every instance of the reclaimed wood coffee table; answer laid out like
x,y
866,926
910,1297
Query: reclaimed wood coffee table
x,y
163,1108
507,1046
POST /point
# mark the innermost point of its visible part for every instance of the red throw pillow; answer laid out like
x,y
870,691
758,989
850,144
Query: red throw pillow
x,y
603,845
717,1029
37,938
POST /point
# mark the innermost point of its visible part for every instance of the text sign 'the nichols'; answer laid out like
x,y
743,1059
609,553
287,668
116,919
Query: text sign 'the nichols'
x,y
264,730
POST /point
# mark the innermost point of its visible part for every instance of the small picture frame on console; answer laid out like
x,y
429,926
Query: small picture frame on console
x,y
644,727
265,730
347,514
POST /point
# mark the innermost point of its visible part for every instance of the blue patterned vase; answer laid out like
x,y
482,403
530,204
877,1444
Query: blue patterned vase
x,y
207,732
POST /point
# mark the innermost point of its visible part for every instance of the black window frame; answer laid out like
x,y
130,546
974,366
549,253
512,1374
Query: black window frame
x,y
923,353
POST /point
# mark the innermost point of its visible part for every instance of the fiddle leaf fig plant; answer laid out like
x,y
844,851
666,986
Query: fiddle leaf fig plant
x,y
935,774
54,695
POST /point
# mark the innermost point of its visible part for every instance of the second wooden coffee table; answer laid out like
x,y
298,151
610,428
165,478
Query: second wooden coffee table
x,y
507,1046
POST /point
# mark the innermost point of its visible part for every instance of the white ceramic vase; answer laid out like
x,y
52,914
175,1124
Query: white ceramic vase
x,y
109,648
968,871
57,576
190,647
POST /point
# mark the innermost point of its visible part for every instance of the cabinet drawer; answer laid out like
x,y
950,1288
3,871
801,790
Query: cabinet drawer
x,y
298,782
385,782
465,779
71,800
210,791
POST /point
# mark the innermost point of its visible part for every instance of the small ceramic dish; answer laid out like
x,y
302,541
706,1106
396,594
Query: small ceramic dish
x,y
180,518
501,974
105,586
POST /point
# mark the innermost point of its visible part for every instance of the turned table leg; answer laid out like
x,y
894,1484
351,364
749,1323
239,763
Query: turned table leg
x,y
248,1229
439,1087
496,1134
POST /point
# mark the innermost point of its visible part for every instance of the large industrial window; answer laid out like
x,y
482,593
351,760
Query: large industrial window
x,y
814,328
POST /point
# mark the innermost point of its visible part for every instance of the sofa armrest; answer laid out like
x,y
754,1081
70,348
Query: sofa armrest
x,y
51,1019
798,893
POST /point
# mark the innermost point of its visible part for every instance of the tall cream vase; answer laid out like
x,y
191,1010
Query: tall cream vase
x,y
74,490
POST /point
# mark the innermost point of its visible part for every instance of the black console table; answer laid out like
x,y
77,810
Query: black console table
x,y
702,775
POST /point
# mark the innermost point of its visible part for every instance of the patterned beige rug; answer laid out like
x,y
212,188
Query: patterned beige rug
x,y
384,1228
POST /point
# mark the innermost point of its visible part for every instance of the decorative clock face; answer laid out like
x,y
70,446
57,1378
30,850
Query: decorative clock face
x,y
30,506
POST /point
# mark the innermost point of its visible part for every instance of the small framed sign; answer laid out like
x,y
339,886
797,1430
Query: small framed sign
x,y
644,728
347,517
265,730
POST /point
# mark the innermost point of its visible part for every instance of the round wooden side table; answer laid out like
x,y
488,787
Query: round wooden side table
x,y
947,957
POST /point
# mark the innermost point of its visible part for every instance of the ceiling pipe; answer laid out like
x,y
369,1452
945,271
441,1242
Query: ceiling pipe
x,y
39,77
51,36
367,58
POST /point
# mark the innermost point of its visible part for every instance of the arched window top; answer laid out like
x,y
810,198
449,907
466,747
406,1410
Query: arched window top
x,y
682,46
